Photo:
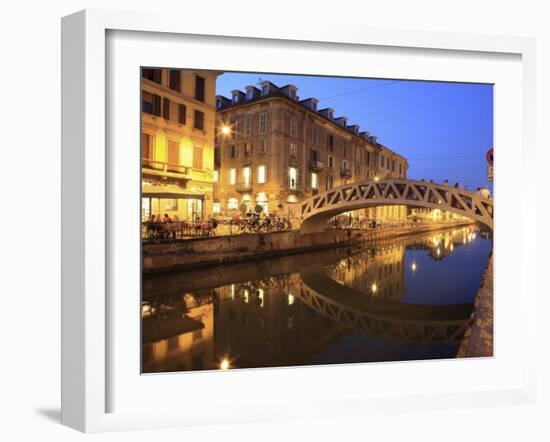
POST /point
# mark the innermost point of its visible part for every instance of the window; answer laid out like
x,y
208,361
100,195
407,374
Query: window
x,y
216,208
233,151
381,160
293,150
216,176
293,178
248,125
331,161
314,180
166,108
262,127
393,165
246,175
247,149
293,126
261,174
314,155
313,134
249,94
151,103
263,147
232,203
330,142
146,150
182,117
345,149
233,177
175,80
199,88
357,170
368,158
400,168
265,89
235,98
236,128
329,182
199,120
197,158
152,74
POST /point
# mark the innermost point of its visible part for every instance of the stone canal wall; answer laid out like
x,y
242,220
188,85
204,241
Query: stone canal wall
x,y
478,339
200,252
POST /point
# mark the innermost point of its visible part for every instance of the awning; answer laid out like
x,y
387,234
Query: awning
x,y
171,192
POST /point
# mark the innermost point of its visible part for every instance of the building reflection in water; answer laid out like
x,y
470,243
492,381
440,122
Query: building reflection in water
x,y
263,322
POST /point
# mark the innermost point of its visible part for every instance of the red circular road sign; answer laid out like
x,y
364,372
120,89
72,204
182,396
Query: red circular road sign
x,y
489,156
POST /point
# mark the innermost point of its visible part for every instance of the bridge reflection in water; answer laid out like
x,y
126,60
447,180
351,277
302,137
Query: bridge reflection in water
x,y
403,299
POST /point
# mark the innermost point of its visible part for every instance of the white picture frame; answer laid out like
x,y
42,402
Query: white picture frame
x,y
86,256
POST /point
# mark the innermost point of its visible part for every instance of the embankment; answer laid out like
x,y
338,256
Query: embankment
x,y
478,339
201,252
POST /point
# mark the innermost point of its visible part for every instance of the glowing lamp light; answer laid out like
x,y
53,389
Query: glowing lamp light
x,y
413,266
226,130
374,287
376,178
224,365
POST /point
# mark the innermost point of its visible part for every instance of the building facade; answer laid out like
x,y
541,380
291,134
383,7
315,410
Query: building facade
x,y
273,151
177,142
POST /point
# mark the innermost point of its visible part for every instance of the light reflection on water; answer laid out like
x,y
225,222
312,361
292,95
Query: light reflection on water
x,y
403,299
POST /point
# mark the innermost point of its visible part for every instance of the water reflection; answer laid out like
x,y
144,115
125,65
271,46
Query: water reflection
x,y
395,300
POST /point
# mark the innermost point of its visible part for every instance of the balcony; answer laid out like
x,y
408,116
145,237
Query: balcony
x,y
244,187
316,165
345,173
152,167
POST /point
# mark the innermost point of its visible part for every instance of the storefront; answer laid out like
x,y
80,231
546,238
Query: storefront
x,y
179,204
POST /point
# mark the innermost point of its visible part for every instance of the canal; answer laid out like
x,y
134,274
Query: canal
x,y
395,300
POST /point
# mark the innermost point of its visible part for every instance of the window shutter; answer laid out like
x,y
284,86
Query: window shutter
x,y
182,111
173,152
145,146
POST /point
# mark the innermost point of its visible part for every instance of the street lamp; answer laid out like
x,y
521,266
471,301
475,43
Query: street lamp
x,y
226,130
224,365
376,178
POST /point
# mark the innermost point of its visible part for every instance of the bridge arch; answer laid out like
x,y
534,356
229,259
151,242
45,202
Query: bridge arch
x,y
389,319
318,209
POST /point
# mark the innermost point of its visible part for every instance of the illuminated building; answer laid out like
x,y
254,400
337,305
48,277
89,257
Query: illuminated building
x,y
274,150
177,142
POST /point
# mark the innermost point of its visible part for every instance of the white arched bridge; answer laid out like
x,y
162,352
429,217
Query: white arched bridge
x,y
318,209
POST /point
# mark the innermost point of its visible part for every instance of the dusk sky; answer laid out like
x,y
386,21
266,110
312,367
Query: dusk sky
x,y
443,129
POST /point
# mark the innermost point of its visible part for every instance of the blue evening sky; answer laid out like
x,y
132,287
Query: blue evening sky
x,y
443,129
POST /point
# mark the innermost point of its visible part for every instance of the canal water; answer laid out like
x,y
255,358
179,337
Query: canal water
x,y
395,300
